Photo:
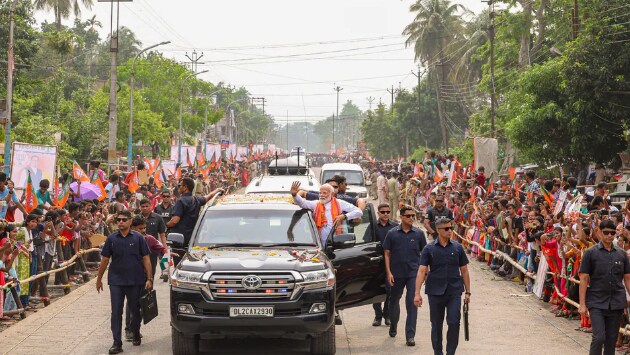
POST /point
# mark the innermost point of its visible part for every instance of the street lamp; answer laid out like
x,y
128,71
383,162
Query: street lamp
x,y
181,111
205,120
133,72
233,102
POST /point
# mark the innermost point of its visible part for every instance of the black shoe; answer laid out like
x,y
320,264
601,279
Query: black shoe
x,y
376,323
137,340
387,321
411,342
128,335
338,320
115,349
392,332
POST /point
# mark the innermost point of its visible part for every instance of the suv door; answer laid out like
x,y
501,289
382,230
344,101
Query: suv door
x,y
360,269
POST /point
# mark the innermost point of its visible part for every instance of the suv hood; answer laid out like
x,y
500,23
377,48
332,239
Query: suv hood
x,y
252,259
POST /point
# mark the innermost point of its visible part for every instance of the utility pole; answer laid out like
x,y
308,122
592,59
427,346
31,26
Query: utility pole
x,y
419,76
9,103
491,36
392,92
263,102
337,89
113,86
370,100
194,61
576,19
438,82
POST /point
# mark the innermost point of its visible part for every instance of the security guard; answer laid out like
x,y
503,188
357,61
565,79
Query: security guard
x,y
603,272
403,246
446,263
383,226
127,275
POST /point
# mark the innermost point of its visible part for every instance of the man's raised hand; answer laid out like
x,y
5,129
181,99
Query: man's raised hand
x,y
295,187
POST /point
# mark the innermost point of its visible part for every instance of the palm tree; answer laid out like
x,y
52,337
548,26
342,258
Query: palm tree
x,y
62,8
93,22
436,27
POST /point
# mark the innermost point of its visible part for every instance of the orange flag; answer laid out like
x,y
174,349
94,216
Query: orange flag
x,y
201,160
512,173
178,173
190,162
30,201
157,178
96,180
149,165
132,181
454,177
438,175
78,173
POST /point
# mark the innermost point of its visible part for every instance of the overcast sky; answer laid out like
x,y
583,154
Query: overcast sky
x,y
263,46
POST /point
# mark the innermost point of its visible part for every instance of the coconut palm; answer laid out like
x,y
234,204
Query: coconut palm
x,y
62,8
434,32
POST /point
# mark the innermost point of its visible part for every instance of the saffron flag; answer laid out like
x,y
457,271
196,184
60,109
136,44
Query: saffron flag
x,y
201,161
517,190
149,166
96,180
30,200
188,160
178,173
547,195
78,173
132,181
62,197
438,176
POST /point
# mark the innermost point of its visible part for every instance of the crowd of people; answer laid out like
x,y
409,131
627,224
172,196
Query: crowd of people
x,y
57,228
529,230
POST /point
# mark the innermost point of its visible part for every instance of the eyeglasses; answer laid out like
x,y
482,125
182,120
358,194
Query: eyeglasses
x,y
384,212
609,232
122,219
409,215
446,229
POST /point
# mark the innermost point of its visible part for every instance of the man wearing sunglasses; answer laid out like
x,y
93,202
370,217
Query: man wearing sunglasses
x,y
603,272
129,272
384,225
444,266
403,245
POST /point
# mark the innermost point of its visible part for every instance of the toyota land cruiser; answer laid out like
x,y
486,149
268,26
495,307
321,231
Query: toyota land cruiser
x,y
256,267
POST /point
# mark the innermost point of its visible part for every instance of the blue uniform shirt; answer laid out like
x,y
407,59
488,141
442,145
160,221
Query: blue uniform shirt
x,y
125,253
405,251
444,276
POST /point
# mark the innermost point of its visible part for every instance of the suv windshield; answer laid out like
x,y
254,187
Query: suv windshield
x,y
255,227
352,177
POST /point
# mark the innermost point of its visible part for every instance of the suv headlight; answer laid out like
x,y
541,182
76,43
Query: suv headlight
x,y
318,279
187,279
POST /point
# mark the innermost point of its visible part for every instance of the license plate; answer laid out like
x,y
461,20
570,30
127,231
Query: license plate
x,y
251,312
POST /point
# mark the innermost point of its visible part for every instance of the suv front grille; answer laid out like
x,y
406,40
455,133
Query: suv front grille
x,y
231,285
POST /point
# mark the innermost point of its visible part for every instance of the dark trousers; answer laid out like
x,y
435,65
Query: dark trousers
x,y
118,295
605,329
381,312
129,313
394,304
450,304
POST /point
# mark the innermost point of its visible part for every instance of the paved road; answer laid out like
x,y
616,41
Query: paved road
x,y
504,320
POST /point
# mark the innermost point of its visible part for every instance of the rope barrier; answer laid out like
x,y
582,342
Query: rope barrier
x,y
62,267
499,254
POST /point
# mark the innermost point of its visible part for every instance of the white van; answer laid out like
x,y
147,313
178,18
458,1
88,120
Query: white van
x,y
355,178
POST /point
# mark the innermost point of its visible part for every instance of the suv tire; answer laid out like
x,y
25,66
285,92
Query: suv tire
x,y
324,344
183,345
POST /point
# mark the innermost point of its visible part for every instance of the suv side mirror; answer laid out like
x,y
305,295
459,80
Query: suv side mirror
x,y
343,241
175,240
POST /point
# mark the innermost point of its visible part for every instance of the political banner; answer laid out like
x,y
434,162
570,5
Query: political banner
x,y
213,149
39,160
192,151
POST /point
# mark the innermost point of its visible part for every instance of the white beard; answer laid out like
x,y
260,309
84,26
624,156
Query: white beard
x,y
324,200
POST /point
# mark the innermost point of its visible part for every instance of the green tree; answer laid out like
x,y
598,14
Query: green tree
x,y
62,8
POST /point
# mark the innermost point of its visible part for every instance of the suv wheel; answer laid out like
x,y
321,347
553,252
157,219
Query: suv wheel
x,y
324,344
183,345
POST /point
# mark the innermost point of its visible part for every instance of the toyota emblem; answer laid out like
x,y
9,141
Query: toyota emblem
x,y
251,282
